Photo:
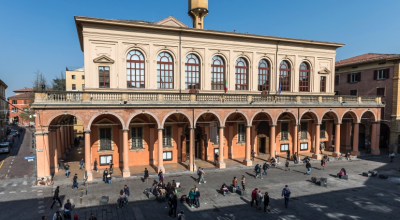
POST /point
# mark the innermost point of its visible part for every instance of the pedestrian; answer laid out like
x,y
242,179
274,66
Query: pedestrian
x,y
160,176
224,189
287,165
235,183
121,199
266,202
109,178
181,216
308,166
111,164
174,204
197,198
253,155
243,182
170,206
44,217
295,158
57,216
216,156
105,174
391,155
95,165
146,175
192,195
348,156
81,164
202,174
66,170
56,197
75,181
127,193
259,197
288,154
265,168
198,174
322,164
92,217
254,197
258,171
67,210
286,194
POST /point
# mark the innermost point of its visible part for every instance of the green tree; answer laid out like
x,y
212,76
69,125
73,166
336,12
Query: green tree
x,y
59,84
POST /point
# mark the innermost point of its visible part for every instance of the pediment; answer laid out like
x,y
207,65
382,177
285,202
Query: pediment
x,y
324,71
171,21
105,121
103,59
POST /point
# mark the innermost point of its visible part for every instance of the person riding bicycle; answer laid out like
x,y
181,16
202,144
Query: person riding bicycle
x,y
305,159
273,161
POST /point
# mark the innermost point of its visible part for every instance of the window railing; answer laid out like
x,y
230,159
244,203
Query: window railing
x,y
193,98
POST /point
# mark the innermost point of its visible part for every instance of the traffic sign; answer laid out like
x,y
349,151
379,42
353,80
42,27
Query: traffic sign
x,y
30,157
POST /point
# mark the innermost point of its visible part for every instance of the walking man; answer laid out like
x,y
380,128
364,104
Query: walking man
x,y
288,154
67,170
199,173
202,174
391,155
265,168
266,202
286,194
105,174
254,197
253,155
197,198
308,166
95,165
146,175
243,182
127,193
258,171
81,164
287,165
75,181
56,197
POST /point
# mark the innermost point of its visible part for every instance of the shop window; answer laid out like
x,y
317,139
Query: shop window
x,y
284,147
303,130
105,159
241,133
105,139
303,146
284,131
137,137
167,155
167,136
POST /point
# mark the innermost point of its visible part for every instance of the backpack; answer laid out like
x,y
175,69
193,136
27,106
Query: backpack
x,y
183,198
286,192
258,169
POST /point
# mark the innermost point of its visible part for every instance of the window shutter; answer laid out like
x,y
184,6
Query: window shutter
x,y
387,73
358,77
348,77
375,74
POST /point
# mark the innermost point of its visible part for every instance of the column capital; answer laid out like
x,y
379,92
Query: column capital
x,y
221,127
160,129
86,131
317,123
44,133
249,126
375,122
356,123
273,125
338,123
192,128
125,130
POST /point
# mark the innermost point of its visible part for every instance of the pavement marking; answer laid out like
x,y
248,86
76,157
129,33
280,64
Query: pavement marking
x,y
40,211
40,194
8,171
1,193
24,191
12,192
10,167
14,184
40,202
11,163
25,183
41,207
40,191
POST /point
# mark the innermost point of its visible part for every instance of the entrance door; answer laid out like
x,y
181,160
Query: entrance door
x,y
261,146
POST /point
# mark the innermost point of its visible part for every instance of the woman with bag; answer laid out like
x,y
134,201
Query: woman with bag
x,y
121,199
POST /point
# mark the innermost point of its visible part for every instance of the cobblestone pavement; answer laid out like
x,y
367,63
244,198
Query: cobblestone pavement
x,y
357,198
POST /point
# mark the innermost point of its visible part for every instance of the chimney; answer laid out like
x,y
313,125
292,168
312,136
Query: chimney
x,y
198,9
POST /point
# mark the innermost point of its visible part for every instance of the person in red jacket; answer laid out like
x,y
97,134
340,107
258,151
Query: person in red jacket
x,y
254,197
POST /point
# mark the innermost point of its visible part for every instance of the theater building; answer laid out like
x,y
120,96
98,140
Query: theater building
x,y
163,93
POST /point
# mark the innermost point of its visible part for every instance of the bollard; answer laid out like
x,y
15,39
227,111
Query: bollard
x,y
80,198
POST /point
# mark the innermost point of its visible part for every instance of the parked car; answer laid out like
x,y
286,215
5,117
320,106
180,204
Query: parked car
x,y
4,147
10,138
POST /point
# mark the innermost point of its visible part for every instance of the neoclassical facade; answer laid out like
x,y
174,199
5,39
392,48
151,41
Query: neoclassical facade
x,y
159,93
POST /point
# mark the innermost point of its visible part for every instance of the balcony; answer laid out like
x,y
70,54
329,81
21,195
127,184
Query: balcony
x,y
72,98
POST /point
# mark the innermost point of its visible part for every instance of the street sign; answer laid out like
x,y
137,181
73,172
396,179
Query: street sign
x,y
30,157
30,160
40,150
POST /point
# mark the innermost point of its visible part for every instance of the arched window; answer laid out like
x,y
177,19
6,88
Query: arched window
x,y
217,73
263,75
241,74
135,69
165,71
284,76
304,78
192,72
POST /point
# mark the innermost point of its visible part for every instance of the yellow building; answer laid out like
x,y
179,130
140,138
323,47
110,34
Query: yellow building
x,y
75,81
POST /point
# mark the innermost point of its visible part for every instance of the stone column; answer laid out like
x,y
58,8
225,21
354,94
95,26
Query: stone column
x,y
336,152
348,135
253,139
151,145
329,131
355,151
192,166
58,144
160,151
247,160
230,140
53,147
179,144
375,135
67,140
125,171
88,156
42,155
272,141
295,139
221,163
317,153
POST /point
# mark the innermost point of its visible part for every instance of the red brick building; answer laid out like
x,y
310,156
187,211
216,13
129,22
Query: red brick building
x,y
373,74
21,101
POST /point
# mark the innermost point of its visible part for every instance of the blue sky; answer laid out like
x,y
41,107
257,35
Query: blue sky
x,y
41,35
